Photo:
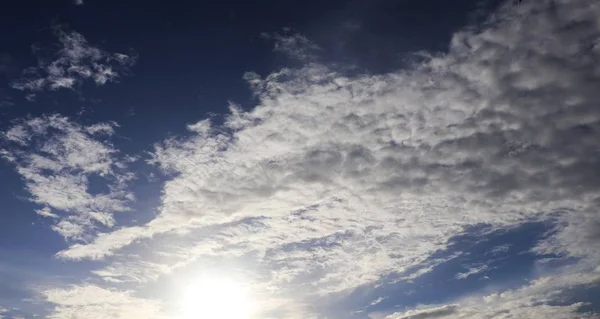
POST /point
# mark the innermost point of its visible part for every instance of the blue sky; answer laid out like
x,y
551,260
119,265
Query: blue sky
x,y
316,159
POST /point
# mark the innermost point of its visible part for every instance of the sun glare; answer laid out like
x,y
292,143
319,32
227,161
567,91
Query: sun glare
x,y
215,298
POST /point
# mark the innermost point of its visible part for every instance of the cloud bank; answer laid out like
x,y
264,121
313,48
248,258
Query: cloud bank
x,y
89,301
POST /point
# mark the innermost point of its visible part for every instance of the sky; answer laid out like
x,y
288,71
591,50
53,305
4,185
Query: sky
x,y
358,159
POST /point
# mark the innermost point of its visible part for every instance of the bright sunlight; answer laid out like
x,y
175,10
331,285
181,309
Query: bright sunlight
x,y
215,298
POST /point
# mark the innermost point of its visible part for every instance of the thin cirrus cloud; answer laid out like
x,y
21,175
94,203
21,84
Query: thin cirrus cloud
x,y
471,271
74,63
333,181
536,300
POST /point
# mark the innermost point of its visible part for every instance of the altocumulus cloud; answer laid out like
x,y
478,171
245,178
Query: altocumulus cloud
x,y
89,301
74,63
56,157
332,181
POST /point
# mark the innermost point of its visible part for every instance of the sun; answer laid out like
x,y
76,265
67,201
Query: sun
x,y
215,298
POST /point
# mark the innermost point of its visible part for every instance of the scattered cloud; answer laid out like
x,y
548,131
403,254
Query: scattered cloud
x,y
130,270
377,301
74,63
333,182
536,300
471,271
56,157
435,312
498,250
94,302
46,212
5,101
295,46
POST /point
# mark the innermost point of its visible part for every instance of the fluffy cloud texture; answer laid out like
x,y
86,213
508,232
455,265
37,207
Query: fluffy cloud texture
x,y
74,63
89,301
332,181
56,158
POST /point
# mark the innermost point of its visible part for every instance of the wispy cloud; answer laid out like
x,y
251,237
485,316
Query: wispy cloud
x,y
433,312
535,300
46,212
471,271
74,63
94,302
294,45
56,157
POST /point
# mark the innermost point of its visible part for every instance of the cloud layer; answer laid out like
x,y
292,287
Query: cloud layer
x,y
74,63
333,182
536,300
89,301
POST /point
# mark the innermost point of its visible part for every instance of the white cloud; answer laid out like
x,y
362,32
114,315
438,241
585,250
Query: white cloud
x,y
471,271
93,302
17,134
294,45
76,62
102,128
537,300
452,132
498,250
133,271
46,212
433,312
56,157
333,182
